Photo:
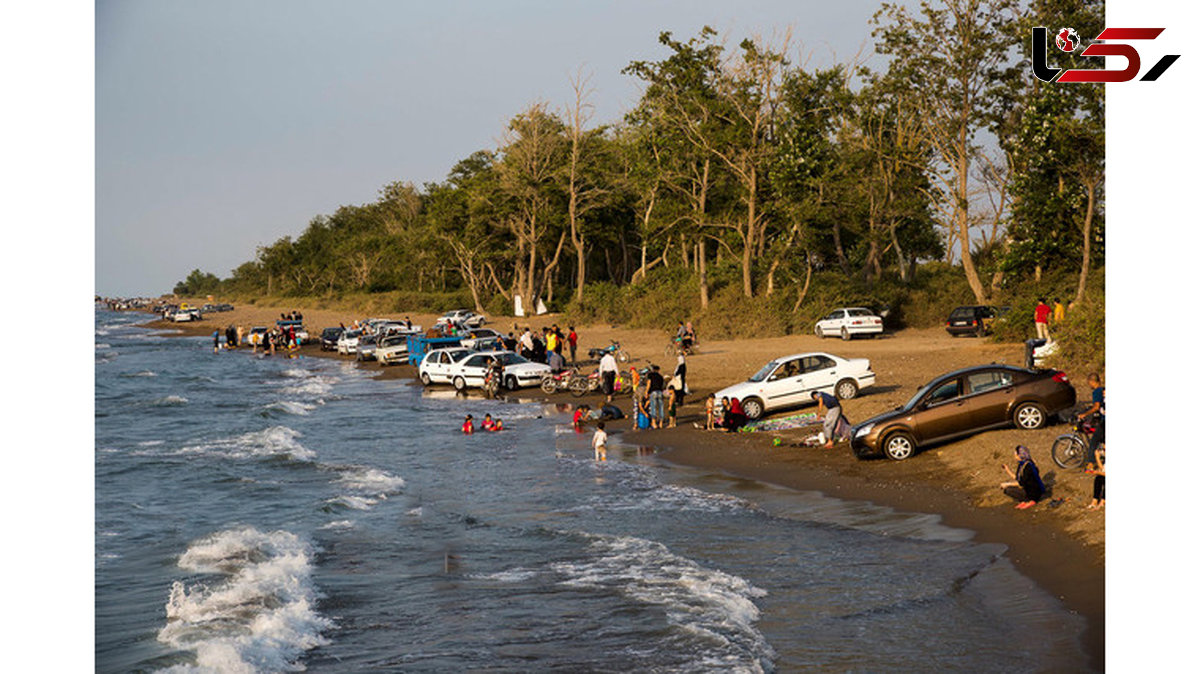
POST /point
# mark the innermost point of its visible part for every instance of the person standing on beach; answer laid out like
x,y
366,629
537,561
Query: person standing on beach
x,y
600,443
1096,409
1097,469
1060,312
672,403
608,374
828,406
709,406
1026,477
216,341
527,344
573,341
1041,317
681,372
654,390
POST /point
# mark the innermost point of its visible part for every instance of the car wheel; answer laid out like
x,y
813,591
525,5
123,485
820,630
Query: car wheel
x,y
899,446
846,389
510,383
425,379
460,384
1029,416
845,334
753,408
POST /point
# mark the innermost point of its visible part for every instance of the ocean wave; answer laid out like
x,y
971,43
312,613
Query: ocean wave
x,y
269,442
370,480
170,401
351,502
339,524
260,617
104,346
707,603
142,373
291,407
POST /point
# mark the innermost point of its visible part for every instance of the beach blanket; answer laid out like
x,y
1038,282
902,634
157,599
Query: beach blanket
x,y
798,420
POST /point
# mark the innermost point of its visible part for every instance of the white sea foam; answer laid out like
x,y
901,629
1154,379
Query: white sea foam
x,y
273,441
416,512
698,600
259,617
104,346
371,480
143,373
170,401
352,502
291,407
339,524
150,443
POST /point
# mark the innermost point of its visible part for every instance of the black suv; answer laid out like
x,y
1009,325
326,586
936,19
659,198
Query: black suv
x,y
329,338
971,320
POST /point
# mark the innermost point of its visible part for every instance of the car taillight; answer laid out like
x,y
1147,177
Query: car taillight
x,y
1060,377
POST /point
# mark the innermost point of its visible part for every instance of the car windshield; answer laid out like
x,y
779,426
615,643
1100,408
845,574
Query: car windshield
x,y
963,312
859,312
765,371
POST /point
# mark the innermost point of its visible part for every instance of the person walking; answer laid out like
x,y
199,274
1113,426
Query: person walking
x,y
1041,317
1060,312
608,374
600,443
572,341
681,372
831,409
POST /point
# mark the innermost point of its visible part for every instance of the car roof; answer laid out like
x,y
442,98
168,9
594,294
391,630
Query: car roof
x,y
806,354
979,368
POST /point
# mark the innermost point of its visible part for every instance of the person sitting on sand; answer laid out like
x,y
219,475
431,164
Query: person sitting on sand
x,y
487,424
1026,477
1097,469
581,414
468,426
735,418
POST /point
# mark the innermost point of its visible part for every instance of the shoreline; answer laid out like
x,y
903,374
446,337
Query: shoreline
x,y
1042,545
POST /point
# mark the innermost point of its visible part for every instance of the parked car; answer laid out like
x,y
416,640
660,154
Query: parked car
x,y
365,349
257,335
790,381
435,365
348,342
849,322
971,320
469,370
482,338
392,349
462,317
329,338
962,403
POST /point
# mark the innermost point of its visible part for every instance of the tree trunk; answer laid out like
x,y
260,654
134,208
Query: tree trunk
x,y
700,262
1090,185
807,279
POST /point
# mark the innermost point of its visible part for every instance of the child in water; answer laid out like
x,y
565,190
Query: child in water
x,y
487,424
468,426
600,443
499,425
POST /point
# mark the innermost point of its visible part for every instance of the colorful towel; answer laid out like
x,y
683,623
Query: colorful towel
x,y
798,420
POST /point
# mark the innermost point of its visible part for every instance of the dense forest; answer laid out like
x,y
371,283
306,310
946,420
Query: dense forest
x,y
749,192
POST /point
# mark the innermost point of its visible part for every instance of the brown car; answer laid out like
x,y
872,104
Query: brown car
x,y
964,402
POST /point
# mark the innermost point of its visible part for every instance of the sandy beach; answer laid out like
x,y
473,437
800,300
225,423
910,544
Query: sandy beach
x,y
1061,546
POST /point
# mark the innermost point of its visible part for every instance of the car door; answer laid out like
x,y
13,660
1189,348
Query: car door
x,y
473,369
783,386
943,412
820,373
990,392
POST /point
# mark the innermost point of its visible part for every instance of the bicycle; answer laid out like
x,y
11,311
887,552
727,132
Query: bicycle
x,y
1071,449
676,346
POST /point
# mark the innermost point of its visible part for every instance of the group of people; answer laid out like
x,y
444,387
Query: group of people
x,y
488,424
550,347
275,338
1044,315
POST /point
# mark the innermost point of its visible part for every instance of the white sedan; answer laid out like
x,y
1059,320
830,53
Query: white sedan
x,y
347,344
463,317
470,370
435,366
849,322
791,380
392,349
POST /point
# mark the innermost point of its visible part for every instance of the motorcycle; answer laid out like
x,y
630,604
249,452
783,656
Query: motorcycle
x,y
614,348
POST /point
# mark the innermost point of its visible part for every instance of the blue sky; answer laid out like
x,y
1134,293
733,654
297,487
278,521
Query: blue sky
x,y
222,126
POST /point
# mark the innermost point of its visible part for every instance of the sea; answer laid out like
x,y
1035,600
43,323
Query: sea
x,y
269,514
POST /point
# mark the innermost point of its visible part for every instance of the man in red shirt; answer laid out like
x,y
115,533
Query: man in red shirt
x,y
1041,315
572,340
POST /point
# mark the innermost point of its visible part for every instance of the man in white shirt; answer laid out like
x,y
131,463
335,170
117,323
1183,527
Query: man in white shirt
x,y
526,343
599,440
608,374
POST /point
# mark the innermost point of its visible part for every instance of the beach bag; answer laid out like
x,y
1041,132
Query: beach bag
x,y
643,421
